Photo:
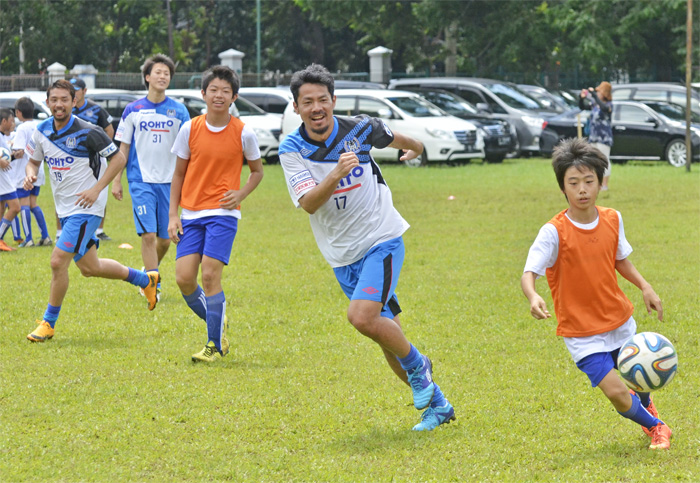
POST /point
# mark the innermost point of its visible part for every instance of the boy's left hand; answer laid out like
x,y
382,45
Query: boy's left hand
x,y
652,302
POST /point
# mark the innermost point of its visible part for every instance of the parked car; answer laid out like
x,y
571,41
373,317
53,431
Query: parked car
x,y
656,91
639,132
272,100
41,110
500,137
114,101
445,137
547,99
499,99
266,126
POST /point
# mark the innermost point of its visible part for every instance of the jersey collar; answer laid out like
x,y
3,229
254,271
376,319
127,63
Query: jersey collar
x,y
65,128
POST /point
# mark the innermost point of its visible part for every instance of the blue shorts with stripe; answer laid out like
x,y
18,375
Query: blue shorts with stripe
x,y
151,202
375,276
211,236
78,234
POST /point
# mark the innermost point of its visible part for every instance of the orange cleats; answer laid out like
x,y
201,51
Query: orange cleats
x,y
4,247
151,290
42,332
660,437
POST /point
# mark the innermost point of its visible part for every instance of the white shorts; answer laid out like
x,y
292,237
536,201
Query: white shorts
x,y
605,149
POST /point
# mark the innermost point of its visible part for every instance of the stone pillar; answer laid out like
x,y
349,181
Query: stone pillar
x,y
380,64
56,71
234,59
86,72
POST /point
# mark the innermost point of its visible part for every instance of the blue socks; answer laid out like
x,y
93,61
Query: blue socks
x,y
4,225
51,314
412,360
41,222
438,398
16,234
26,219
216,308
645,397
197,302
137,277
639,415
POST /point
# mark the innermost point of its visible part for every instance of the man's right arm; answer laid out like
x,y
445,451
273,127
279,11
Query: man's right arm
x,y
322,192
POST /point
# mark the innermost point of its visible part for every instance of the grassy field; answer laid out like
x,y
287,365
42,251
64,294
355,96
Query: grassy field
x,y
303,397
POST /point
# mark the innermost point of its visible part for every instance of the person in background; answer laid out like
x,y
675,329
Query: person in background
x,y
9,204
600,122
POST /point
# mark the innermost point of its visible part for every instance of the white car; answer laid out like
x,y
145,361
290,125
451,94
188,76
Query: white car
x,y
41,110
272,100
445,137
266,126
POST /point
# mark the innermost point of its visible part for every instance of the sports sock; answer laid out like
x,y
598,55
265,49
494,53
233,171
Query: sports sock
x,y
645,397
16,233
639,415
99,231
51,314
438,398
41,222
216,307
197,301
4,225
137,277
26,220
412,360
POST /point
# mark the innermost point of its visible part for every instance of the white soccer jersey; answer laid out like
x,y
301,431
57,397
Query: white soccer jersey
x,y
7,176
23,136
360,214
151,130
75,156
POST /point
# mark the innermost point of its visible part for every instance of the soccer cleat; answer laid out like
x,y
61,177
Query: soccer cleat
x,y
434,417
27,243
209,354
4,247
421,381
104,237
45,242
42,332
660,437
224,340
151,290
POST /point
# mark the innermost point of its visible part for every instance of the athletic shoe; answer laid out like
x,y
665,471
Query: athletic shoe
x,y
224,340
4,247
42,332
104,237
421,381
208,354
141,292
45,242
660,437
27,243
151,290
434,417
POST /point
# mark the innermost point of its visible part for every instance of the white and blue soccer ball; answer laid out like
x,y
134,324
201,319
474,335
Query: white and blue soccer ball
x,y
647,362
5,154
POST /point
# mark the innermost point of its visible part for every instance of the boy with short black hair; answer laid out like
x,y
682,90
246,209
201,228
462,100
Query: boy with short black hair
x,y
579,251
9,204
211,150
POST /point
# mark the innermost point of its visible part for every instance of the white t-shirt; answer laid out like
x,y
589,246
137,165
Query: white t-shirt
x,y
543,254
7,176
23,135
181,149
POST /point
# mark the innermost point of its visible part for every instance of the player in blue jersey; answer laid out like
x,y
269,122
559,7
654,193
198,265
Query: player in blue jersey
x,y
76,152
331,175
147,131
90,111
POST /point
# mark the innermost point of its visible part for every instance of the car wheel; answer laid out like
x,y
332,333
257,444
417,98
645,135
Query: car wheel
x,y
495,158
675,153
421,160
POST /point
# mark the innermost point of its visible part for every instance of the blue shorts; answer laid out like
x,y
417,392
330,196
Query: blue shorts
x,y
211,236
9,196
78,234
151,202
375,276
22,193
596,366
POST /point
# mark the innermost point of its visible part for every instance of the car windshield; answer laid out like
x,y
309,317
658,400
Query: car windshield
x,y
513,97
673,111
450,103
417,107
247,108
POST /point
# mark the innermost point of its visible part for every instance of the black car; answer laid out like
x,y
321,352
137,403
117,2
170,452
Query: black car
x,y
500,137
639,132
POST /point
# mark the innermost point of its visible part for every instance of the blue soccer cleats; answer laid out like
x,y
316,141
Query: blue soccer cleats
x,y
422,385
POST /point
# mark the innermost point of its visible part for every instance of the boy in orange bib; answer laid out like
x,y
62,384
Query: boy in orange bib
x,y
580,250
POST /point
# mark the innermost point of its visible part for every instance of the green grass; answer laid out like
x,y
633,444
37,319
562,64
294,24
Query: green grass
x,y
303,397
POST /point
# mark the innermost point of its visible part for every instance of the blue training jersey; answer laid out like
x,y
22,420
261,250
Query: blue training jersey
x,y
150,130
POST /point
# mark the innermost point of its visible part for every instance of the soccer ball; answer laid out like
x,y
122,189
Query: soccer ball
x,y
647,362
5,154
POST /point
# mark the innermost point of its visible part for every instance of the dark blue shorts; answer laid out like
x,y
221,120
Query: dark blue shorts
x,y
211,236
9,196
596,366
22,193
375,276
